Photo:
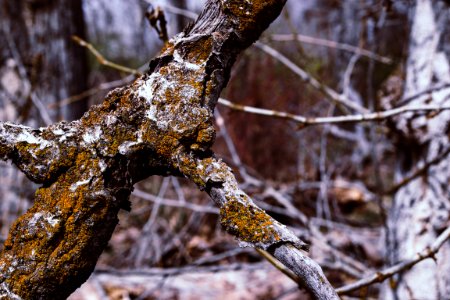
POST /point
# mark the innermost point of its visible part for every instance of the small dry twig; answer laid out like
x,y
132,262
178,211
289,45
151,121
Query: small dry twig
x,y
101,59
330,44
157,20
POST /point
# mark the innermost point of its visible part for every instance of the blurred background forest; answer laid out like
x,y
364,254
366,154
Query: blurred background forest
x,y
364,195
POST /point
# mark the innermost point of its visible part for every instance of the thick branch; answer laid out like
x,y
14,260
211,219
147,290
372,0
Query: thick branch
x,y
160,124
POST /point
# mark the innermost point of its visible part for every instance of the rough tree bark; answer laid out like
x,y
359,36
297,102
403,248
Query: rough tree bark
x,y
160,124
421,208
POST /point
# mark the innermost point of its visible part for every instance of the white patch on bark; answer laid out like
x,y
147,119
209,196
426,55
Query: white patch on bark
x,y
125,147
93,135
186,64
110,120
48,217
28,138
58,132
6,292
102,165
77,184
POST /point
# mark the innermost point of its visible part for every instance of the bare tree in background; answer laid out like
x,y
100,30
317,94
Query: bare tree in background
x,y
421,207
36,38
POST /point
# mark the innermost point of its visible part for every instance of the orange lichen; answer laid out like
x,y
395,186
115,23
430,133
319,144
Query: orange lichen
x,y
58,233
199,51
248,222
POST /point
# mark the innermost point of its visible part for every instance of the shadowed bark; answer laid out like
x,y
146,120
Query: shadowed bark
x,y
160,124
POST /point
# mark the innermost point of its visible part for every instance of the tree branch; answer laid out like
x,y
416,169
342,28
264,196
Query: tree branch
x,y
160,124
306,121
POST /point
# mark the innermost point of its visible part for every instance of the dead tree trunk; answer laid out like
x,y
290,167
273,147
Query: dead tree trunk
x,y
160,124
421,207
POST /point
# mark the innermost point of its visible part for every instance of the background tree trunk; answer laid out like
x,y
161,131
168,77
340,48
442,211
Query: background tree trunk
x,y
40,32
421,208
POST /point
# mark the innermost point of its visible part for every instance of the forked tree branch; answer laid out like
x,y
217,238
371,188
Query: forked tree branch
x,y
162,124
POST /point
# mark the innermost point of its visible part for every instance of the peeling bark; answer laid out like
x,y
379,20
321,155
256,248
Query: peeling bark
x,y
160,124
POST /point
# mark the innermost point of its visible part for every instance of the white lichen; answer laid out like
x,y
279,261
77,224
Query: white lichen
x,y
125,147
185,64
151,113
93,135
52,220
58,132
27,137
110,120
77,184
48,217
7,293
102,165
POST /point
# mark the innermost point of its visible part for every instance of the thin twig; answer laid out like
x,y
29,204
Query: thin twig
x,y
283,269
331,94
248,179
283,200
221,256
175,203
330,44
304,121
101,59
428,252
87,93
422,93
178,271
